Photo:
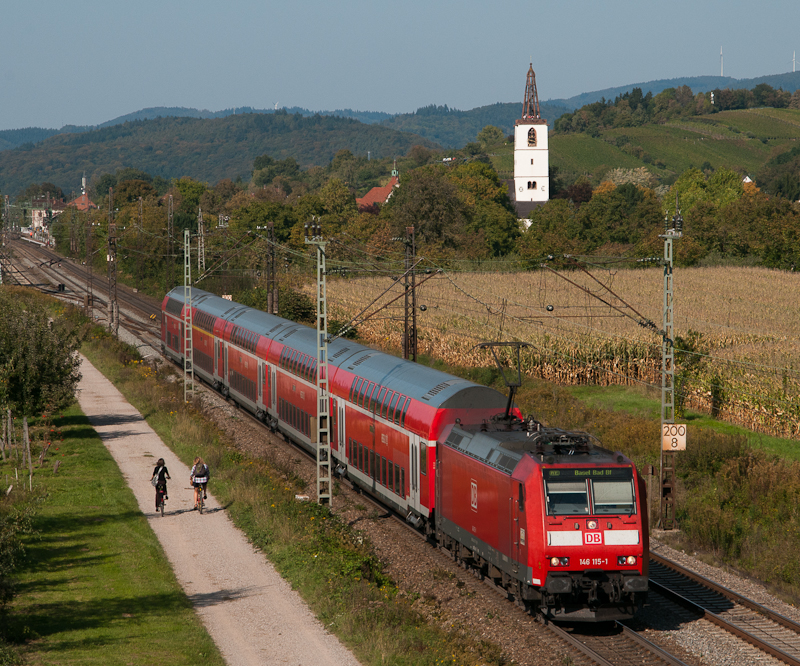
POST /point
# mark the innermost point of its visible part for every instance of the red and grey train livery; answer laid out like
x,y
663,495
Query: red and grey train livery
x,y
502,494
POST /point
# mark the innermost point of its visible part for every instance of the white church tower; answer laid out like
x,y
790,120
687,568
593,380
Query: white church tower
x,y
531,159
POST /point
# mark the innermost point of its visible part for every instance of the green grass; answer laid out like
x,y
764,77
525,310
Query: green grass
x,y
96,587
638,403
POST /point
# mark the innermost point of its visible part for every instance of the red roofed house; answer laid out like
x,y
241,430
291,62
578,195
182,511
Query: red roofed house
x,y
378,195
83,203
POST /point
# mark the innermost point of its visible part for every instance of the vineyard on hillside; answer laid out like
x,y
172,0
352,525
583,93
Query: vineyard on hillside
x,y
737,331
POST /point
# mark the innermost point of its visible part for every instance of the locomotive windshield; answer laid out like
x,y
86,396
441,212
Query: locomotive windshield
x,y
596,491
613,497
567,498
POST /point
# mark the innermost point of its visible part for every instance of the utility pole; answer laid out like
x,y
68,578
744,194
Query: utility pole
x,y
140,258
3,250
113,307
313,236
89,305
272,273
201,243
188,348
171,236
410,318
672,439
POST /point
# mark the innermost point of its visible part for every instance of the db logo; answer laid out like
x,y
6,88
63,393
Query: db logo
x,y
473,495
593,537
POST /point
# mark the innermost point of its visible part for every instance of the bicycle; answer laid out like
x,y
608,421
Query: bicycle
x,y
160,502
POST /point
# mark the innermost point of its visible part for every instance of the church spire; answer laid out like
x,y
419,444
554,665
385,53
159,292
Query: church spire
x,y
530,105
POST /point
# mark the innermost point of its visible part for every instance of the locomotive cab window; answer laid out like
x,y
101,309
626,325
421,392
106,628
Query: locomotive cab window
x,y
613,497
567,498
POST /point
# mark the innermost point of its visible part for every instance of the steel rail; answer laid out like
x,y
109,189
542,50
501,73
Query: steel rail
x,y
727,593
724,624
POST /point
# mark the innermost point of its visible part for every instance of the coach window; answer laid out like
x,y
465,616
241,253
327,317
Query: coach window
x,y
373,391
367,390
392,405
372,464
379,399
383,471
423,458
391,475
405,410
398,408
521,497
354,388
397,487
385,405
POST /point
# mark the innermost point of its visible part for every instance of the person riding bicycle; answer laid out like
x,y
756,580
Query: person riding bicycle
x,y
199,479
159,480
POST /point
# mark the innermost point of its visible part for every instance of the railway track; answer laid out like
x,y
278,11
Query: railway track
x,y
77,276
745,619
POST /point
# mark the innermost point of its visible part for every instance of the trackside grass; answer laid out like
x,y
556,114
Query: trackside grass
x,y
96,587
331,565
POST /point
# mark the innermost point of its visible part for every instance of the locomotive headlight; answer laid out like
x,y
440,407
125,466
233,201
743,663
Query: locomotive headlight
x,y
553,561
564,561
631,559
591,524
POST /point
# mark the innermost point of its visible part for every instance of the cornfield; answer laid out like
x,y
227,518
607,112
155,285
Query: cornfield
x,y
603,328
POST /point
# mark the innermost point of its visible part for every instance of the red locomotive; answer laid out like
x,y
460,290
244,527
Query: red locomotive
x,y
557,521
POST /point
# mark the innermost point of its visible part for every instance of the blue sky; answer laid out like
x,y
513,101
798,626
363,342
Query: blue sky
x,y
87,61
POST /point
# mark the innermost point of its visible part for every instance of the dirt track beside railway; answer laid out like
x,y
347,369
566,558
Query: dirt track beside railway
x,y
253,615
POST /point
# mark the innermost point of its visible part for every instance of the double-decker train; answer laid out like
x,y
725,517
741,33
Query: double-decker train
x,y
549,515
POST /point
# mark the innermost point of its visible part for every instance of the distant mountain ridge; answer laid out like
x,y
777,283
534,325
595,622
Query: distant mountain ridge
x,y
789,81
449,127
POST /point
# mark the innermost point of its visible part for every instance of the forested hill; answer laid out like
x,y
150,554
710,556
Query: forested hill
x,y
205,149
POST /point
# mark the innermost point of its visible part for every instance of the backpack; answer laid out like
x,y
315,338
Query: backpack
x,y
201,471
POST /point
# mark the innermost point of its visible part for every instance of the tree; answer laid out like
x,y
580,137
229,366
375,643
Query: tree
x,y
40,191
190,192
38,360
430,202
489,136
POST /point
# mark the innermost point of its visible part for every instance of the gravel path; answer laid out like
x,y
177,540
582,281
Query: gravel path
x,y
250,611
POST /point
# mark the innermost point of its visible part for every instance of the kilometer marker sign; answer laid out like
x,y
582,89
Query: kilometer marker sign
x,y
673,437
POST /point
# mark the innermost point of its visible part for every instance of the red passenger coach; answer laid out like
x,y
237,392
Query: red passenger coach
x,y
557,521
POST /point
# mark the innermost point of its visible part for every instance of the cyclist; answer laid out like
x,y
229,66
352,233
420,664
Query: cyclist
x,y
199,479
159,480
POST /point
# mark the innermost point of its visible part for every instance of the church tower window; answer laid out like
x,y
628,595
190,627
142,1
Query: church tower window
x,y
531,137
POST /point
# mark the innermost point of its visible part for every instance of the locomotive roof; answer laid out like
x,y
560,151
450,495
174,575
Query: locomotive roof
x,y
503,444
429,386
